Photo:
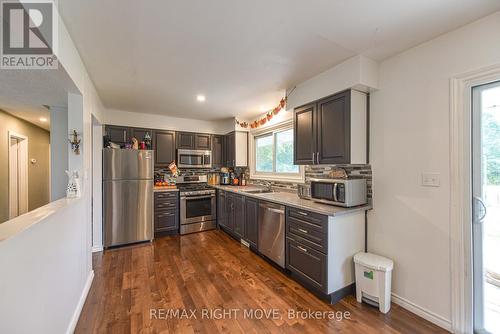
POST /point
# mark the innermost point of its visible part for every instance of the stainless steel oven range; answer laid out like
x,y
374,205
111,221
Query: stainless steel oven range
x,y
198,204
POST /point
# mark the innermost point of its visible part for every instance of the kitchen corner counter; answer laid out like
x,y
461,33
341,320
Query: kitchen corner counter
x,y
291,199
162,189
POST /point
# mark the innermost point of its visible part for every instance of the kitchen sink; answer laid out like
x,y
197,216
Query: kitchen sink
x,y
260,191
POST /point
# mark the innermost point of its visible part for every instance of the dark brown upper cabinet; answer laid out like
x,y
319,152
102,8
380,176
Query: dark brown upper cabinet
x,y
305,135
217,151
117,134
202,142
193,141
332,130
185,140
164,146
236,149
140,133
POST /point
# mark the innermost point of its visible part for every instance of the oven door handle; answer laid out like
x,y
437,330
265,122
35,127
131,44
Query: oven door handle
x,y
198,197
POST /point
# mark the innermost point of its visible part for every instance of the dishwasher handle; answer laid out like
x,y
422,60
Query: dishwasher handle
x,y
272,208
282,212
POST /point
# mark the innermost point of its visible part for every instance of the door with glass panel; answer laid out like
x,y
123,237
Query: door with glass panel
x,y
486,207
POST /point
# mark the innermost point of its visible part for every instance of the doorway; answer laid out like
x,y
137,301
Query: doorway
x,y
18,174
486,207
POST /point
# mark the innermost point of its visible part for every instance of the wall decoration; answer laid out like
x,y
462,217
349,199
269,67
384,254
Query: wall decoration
x,y
73,188
75,142
268,116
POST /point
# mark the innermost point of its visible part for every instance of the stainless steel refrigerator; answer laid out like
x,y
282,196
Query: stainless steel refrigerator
x,y
127,196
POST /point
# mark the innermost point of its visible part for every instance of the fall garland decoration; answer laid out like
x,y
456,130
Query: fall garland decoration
x,y
269,115
266,118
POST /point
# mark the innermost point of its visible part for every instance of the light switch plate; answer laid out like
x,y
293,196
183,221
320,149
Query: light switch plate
x,y
431,179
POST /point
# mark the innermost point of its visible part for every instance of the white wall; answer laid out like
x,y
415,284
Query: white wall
x,y
153,121
47,269
97,133
357,72
410,117
58,151
44,270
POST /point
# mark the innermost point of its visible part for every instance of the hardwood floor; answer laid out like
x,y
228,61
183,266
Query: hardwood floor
x,y
135,287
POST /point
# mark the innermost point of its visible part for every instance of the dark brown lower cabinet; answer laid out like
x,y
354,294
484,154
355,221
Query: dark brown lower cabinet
x,y
221,208
239,215
307,247
307,263
230,211
309,255
166,212
251,221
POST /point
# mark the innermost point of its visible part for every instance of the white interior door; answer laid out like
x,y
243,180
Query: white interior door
x,y
486,207
13,180
18,175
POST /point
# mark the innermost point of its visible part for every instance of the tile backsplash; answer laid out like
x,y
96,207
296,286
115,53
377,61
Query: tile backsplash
x,y
311,171
324,171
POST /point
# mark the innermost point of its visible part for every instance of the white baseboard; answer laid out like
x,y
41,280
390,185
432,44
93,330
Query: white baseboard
x,y
422,312
81,302
97,249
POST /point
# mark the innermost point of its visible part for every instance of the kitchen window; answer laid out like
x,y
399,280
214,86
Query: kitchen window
x,y
272,154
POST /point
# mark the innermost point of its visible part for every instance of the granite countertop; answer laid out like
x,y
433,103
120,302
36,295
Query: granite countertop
x,y
291,199
163,189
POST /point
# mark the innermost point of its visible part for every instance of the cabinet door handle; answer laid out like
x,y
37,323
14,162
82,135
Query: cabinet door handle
x,y
313,158
317,158
302,230
302,248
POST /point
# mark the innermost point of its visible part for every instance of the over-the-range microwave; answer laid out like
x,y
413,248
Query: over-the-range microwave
x,y
341,192
194,158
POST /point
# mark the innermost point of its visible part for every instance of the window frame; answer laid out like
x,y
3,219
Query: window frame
x,y
284,177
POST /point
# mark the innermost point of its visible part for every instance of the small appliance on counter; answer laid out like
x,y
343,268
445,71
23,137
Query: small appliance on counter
x,y
304,191
213,178
339,192
225,179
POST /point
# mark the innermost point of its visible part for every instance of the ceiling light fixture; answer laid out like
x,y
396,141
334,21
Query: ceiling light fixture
x,y
200,98
43,119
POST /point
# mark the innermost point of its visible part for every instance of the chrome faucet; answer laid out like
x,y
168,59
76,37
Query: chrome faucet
x,y
268,185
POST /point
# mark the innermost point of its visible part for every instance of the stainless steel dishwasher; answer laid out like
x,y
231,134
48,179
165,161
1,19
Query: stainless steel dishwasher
x,y
272,232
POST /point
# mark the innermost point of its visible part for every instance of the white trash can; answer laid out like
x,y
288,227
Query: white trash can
x,y
373,280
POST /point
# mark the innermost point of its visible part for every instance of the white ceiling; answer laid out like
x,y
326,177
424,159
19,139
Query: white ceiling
x,y
32,114
155,56
25,94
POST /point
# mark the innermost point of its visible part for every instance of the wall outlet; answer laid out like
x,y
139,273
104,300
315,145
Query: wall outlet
x,y
431,179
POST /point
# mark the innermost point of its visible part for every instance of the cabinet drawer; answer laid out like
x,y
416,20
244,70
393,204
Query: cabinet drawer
x,y
165,221
307,234
166,205
307,263
314,221
166,194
